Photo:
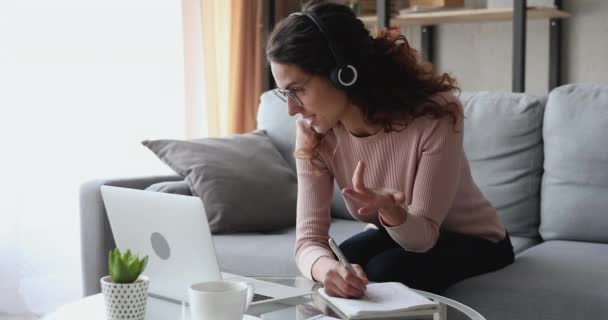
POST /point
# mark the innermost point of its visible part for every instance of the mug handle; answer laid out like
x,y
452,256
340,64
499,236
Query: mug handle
x,y
250,292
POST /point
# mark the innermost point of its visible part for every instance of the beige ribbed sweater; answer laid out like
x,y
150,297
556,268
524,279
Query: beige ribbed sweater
x,y
426,161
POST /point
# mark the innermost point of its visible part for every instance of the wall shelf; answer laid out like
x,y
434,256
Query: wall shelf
x,y
467,16
519,14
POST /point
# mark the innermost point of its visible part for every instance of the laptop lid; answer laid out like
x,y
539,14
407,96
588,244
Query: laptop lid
x,y
172,230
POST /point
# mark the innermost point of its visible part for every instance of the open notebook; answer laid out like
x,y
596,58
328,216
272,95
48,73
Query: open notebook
x,y
387,299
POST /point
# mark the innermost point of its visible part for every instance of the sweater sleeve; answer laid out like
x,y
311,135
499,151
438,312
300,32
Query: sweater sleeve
x,y
315,191
435,186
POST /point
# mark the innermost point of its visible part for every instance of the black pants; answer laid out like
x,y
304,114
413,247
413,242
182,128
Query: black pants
x,y
454,257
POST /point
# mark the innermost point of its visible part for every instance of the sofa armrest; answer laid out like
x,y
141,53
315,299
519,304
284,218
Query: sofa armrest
x,y
96,237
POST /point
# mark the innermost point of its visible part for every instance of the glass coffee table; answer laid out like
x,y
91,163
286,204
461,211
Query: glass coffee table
x,y
302,308
308,307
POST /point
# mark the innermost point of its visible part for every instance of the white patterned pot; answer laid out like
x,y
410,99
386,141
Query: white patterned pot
x,y
125,300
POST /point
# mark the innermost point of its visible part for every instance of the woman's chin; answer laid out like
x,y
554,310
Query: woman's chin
x,y
318,129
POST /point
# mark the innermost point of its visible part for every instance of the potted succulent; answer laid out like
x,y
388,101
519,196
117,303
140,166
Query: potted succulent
x,y
125,290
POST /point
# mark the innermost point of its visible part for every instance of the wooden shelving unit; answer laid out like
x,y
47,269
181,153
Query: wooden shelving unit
x,y
520,13
467,16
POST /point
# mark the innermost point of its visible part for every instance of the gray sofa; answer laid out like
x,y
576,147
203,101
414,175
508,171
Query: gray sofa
x,y
541,160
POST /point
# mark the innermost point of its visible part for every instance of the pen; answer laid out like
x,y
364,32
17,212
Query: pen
x,y
334,247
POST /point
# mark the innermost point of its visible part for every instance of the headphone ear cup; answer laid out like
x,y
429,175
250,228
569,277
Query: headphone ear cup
x,y
333,76
347,74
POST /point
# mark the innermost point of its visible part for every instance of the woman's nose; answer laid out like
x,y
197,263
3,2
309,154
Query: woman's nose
x,y
293,108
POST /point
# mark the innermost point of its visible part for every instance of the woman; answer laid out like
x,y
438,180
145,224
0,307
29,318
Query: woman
x,y
389,132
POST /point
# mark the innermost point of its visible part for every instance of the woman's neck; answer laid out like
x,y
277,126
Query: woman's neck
x,y
354,123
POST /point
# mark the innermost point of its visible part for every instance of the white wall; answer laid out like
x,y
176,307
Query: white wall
x,y
82,82
586,40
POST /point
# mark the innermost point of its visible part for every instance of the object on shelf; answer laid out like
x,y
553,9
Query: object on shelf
x,y
368,7
509,3
475,4
466,16
425,5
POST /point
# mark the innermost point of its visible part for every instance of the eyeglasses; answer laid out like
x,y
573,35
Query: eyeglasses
x,y
292,95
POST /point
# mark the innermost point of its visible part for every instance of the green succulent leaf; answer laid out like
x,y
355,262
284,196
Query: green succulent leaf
x,y
126,267
113,267
144,263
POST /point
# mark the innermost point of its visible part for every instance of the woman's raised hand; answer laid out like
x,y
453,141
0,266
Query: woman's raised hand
x,y
384,200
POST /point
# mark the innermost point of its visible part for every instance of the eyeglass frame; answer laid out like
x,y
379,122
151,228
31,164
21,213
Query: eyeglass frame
x,y
285,94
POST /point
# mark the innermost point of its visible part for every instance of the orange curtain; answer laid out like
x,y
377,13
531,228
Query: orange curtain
x,y
246,64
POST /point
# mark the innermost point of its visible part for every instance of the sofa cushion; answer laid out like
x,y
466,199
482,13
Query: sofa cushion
x,y
550,281
575,183
281,128
241,254
503,143
175,187
243,181
522,243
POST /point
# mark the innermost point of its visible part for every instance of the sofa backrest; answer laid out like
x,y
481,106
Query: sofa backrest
x,y
272,117
574,202
281,128
503,143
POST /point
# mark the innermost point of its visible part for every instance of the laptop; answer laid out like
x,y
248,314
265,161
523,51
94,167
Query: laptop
x,y
173,231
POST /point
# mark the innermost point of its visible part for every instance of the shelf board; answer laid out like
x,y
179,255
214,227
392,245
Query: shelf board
x,y
466,16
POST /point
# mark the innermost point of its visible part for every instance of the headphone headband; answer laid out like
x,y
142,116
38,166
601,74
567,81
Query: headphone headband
x,y
336,74
317,21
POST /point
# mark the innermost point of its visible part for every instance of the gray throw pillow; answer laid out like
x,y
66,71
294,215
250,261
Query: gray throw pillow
x,y
175,187
244,183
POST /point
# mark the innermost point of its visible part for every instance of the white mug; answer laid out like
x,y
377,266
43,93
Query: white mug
x,y
219,300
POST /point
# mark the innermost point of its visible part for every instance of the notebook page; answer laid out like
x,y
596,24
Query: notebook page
x,y
381,297
322,317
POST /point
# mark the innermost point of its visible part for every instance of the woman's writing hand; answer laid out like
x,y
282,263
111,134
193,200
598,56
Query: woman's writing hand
x,y
338,281
388,202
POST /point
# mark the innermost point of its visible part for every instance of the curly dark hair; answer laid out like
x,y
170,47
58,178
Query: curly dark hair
x,y
393,88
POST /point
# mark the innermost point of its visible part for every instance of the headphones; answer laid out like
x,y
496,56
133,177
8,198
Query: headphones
x,y
343,75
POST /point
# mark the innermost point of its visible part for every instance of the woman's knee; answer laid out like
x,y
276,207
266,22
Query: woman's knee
x,y
362,246
382,268
408,268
